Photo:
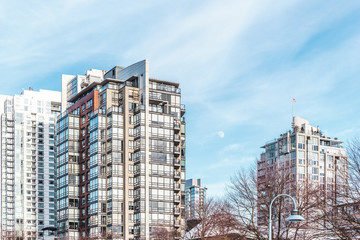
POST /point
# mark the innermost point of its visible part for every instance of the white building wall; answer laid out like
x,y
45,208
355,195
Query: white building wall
x,y
35,114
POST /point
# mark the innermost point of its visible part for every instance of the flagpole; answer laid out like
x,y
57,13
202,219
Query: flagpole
x,y
292,106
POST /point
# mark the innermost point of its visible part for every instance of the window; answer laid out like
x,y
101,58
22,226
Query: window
x,y
90,103
131,206
314,159
293,142
301,157
103,97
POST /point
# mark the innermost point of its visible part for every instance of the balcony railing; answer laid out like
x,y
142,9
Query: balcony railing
x,y
165,88
176,211
177,150
177,174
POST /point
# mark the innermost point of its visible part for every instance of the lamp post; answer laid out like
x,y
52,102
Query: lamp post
x,y
294,217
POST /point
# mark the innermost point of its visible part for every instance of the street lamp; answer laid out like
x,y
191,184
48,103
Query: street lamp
x,y
294,217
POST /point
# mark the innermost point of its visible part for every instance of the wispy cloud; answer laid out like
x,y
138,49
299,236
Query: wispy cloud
x,y
42,38
239,63
231,162
232,147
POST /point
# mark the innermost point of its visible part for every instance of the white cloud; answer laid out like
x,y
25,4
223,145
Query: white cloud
x,y
232,147
196,47
238,63
42,38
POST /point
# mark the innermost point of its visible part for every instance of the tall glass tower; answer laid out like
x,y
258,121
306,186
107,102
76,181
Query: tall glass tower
x,y
121,156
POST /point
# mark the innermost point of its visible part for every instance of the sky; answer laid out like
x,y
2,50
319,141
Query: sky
x,y
239,64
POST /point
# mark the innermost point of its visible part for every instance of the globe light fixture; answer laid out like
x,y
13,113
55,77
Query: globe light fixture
x,y
294,217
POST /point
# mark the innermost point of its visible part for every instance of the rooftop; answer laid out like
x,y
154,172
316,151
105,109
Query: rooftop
x,y
300,125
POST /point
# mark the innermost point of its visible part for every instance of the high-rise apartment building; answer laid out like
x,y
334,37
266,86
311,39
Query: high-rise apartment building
x,y
195,196
306,157
120,155
28,163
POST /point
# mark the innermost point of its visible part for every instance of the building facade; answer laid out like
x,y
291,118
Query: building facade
x,y
28,163
306,157
121,155
195,197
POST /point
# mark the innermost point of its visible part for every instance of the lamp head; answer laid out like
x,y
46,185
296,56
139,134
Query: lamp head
x,y
295,217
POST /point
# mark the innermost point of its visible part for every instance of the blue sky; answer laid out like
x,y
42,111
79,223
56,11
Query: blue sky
x,y
239,64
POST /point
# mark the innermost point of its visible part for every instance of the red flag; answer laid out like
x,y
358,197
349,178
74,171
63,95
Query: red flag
x,y
294,100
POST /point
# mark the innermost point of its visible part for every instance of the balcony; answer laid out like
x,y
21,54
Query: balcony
x,y
177,139
10,194
176,126
166,88
177,223
114,172
160,148
182,109
10,130
176,211
10,147
9,123
177,163
155,98
9,153
177,175
73,171
10,164
109,148
176,151
177,187
177,199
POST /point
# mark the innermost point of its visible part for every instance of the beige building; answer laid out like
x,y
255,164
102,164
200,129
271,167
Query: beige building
x,y
304,155
120,155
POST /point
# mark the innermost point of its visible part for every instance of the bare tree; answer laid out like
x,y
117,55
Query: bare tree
x,y
250,192
242,196
203,214
165,232
215,220
226,224
341,204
